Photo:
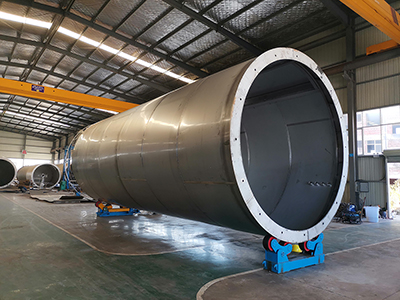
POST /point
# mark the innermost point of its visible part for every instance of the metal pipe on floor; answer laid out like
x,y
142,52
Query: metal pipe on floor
x,y
42,175
8,172
259,147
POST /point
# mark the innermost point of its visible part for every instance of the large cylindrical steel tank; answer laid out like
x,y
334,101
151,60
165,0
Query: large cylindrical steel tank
x,y
259,147
8,171
42,176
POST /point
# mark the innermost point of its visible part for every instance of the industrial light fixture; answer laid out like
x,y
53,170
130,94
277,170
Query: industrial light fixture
x,y
77,36
122,54
24,20
108,111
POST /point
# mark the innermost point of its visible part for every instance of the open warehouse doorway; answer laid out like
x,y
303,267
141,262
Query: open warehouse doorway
x,y
392,166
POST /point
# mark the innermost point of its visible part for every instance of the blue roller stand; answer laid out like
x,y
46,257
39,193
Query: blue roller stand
x,y
107,213
107,210
277,260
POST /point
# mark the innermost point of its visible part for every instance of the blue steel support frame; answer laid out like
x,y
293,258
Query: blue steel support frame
x,y
277,260
106,213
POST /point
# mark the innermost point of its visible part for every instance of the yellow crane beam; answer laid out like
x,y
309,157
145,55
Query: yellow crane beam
x,y
380,14
25,89
390,44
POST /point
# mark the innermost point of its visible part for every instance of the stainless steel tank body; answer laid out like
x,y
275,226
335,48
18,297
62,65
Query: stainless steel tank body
x,y
42,175
259,147
8,171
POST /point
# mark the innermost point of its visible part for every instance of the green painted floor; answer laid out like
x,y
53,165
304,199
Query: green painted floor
x,y
41,261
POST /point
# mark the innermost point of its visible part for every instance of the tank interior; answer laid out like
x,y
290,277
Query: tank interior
x,y
46,175
291,145
7,172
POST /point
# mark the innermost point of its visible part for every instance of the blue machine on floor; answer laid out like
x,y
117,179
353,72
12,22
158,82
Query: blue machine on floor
x,y
277,260
107,210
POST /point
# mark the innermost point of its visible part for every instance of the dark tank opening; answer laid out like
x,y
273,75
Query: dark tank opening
x,y
46,175
291,145
7,172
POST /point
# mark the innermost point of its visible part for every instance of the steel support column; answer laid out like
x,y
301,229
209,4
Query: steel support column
x,y
53,154
59,150
24,149
388,205
350,77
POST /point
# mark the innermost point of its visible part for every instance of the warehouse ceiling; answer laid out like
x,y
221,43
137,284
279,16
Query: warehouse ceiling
x,y
135,50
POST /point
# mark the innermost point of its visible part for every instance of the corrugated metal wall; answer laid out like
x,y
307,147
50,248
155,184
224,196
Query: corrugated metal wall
x,y
330,53
12,144
378,85
372,170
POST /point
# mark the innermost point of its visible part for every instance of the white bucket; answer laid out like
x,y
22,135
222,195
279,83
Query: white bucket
x,y
372,213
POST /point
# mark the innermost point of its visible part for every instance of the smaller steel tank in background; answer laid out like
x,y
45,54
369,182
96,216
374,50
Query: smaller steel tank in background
x,y
8,171
42,175
60,167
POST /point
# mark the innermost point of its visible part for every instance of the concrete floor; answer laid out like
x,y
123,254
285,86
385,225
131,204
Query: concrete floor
x,y
63,251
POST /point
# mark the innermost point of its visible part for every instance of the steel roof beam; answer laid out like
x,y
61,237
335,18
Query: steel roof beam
x,y
263,39
184,24
83,122
363,61
89,61
110,33
132,42
147,82
103,7
46,40
21,119
129,15
234,38
28,129
339,10
271,16
305,19
316,31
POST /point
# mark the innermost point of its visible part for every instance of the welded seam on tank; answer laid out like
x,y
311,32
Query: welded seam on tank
x,y
96,248
83,149
141,151
116,160
123,180
337,126
290,166
204,288
103,139
86,154
193,203
308,122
